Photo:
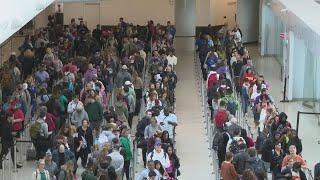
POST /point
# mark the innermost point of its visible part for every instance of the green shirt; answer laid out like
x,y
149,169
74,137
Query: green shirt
x,y
95,111
125,143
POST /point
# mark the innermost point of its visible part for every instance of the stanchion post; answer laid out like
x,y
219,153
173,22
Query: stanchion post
x,y
298,120
15,155
284,99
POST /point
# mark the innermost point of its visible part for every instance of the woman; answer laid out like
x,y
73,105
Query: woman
x,y
294,140
249,140
67,132
166,141
228,172
41,173
163,172
83,142
174,163
276,159
138,88
126,144
66,172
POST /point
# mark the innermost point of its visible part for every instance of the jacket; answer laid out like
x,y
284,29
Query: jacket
x,y
131,102
266,150
78,117
126,144
123,76
239,161
87,135
69,155
228,171
95,111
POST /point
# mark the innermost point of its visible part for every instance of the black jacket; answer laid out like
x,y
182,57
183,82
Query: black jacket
x,y
266,150
88,137
6,134
239,161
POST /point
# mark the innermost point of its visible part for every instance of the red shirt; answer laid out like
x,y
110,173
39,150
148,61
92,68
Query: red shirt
x,y
18,126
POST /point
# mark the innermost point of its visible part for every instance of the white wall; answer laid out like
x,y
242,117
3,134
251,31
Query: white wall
x,y
203,10
248,19
140,11
221,8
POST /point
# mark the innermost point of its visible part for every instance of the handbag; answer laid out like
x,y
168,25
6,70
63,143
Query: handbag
x,y
31,153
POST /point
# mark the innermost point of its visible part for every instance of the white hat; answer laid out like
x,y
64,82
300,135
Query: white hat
x,y
124,67
25,86
127,83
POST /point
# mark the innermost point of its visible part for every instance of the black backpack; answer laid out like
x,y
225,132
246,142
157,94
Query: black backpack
x,y
234,146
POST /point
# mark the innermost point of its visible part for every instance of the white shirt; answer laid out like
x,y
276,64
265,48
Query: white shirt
x,y
162,157
164,120
72,106
172,60
237,36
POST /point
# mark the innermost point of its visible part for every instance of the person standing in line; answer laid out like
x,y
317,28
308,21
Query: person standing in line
x,y
126,145
41,173
228,172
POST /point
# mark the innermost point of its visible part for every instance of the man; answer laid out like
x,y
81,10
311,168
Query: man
x,y
78,115
159,154
96,34
50,165
255,164
41,172
131,104
82,28
138,63
151,168
42,77
73,104
6,138
126,145
90,73
61,155
95,113
240,159
123,76
41,137
167,121
117,160
172,59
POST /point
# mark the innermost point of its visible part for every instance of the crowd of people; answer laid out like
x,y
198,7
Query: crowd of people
x,y
234,85
78,93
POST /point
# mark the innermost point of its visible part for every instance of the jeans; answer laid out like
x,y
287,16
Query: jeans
x,y
126,169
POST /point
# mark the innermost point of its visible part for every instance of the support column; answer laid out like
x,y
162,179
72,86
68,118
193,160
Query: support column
x,y
185,17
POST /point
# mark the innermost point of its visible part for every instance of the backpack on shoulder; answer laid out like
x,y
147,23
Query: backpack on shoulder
x,y
234,146
220,119
35,130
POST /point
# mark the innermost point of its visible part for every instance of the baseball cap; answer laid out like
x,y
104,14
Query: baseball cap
x,y
157,142
124,67
127,83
